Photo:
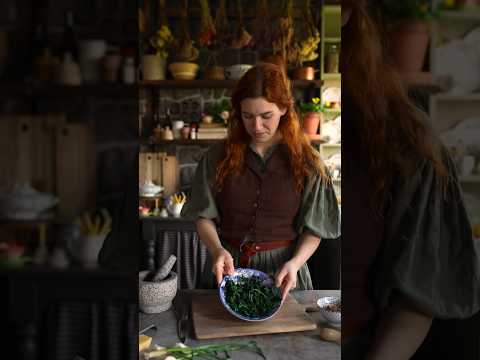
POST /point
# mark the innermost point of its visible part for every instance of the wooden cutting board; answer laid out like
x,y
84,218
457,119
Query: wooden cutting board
x,y
211,320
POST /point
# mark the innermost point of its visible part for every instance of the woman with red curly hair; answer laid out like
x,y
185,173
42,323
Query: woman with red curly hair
x,y
263,199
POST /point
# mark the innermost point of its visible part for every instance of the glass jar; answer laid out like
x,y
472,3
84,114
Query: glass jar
x,y
332,59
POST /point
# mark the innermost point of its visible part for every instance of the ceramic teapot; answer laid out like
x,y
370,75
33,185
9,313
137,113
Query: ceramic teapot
x,y
148,188
22,201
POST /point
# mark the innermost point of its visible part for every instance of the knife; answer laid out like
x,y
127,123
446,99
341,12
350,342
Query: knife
x,y
182,313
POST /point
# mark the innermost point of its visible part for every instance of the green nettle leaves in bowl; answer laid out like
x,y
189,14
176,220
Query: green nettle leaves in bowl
x,y
250,295
312,106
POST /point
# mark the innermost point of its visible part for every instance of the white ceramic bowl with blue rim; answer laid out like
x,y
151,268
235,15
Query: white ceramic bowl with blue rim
x,y
239,273
333,317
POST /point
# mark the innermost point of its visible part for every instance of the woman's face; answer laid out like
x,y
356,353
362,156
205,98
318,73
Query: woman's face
x,y
260,118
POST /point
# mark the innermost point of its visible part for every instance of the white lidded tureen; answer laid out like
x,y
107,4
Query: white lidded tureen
x,y
148,188
23,202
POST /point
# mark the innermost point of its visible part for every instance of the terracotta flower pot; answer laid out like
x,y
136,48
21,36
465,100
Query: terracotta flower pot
x,y
311,122
408,45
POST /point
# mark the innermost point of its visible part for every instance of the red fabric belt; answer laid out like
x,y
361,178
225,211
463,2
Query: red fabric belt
x,y
248,249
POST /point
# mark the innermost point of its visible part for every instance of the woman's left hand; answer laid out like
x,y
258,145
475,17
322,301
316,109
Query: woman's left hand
x,y
286,278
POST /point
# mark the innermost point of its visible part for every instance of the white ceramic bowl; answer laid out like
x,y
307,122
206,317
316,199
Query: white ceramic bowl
x,y
235,72
333,317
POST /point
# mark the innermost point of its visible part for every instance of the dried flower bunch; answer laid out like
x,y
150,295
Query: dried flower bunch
x,y
184,47
162,41
307,47
207,32
242,37
222,27
283,37
262,37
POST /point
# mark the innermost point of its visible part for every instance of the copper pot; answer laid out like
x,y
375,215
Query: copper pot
x,y
304,73
215,73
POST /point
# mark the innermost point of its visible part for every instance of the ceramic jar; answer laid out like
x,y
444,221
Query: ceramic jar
x,y
153,68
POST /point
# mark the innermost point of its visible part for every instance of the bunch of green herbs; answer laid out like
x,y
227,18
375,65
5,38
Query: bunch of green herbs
x,y
214,351
250,297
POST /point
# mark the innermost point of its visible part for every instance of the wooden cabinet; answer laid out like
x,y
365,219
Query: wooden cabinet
x,y
52,155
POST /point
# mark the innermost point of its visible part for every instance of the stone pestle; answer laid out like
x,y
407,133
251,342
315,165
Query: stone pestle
x,y
165,269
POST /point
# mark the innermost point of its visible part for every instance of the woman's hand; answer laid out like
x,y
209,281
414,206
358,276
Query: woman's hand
x,y
286,278
222,264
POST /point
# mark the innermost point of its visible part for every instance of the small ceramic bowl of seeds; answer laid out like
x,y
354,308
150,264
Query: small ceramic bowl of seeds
x,y
331,309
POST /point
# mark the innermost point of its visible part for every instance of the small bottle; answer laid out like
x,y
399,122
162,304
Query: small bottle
x,y
193,131
128,71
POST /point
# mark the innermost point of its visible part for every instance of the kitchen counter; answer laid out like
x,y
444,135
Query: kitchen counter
x,y
304,345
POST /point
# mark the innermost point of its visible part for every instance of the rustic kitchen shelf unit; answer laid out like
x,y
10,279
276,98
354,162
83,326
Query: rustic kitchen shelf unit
x,y
214,84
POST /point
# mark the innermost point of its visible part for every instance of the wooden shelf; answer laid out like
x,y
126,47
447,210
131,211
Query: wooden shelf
x,y
471,14
214,84
315,139
147,142
86,90
332,40
422,81
458,97
470,179
249,12
333,111
333,146
332,76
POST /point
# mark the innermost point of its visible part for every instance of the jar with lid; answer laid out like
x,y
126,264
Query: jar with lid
x,y
332,59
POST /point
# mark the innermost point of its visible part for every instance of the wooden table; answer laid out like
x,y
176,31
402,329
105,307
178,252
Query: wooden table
x,y
305,345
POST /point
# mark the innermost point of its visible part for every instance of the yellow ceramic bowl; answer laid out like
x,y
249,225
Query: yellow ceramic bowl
x,y
183,70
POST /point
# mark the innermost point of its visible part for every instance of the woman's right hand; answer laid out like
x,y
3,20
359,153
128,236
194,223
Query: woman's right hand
x,y
222,264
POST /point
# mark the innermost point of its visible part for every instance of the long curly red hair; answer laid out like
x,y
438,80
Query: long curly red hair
x,y
269,81
390,124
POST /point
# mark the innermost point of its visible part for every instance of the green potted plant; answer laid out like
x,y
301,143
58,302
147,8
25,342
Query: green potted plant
x,y
312,112
409,32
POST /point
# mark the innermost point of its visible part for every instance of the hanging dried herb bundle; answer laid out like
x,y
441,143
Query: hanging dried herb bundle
x,y
308,45
242,37
184,47
162,41
162,13
207,32
283,38
262,37
222,27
